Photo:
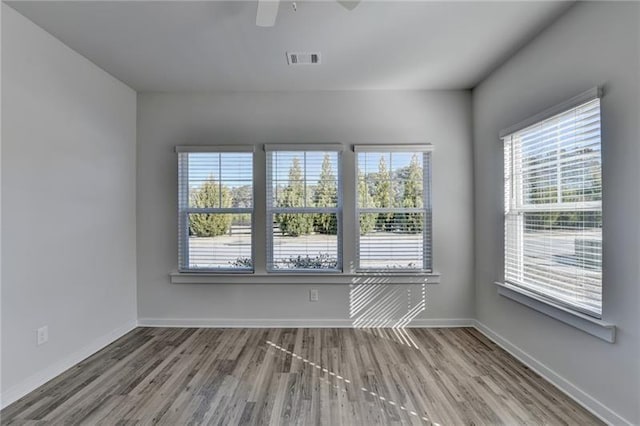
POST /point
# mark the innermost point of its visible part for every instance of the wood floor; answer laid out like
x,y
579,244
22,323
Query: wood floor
x,y
177,376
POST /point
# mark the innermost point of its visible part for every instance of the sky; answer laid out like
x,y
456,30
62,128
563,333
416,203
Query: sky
x,y
234,169
368,161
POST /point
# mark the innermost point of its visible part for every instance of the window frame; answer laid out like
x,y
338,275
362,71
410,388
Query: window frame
x,y
259,274
427,210
184,210
271,210
515,205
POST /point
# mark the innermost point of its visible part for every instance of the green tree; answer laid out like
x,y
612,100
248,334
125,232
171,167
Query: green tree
x,y
241,197
412,191
326,195
210,194
293,195
542,188
588,189
383,195
365,200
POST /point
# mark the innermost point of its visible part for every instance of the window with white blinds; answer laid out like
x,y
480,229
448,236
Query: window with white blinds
x,y
215,210
553,208
394,208
304,211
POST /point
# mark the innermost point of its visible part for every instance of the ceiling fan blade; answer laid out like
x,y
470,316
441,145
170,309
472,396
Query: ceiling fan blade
x,y
267,12
349,4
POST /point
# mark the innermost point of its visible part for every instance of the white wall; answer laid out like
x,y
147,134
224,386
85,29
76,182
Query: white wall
x,y
68,205
1,9
592,44
166,120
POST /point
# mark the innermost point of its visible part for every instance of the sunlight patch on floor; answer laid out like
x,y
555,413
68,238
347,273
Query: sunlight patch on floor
x,y
347,381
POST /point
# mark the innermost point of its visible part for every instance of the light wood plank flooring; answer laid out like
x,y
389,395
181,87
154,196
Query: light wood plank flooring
x,y
177,376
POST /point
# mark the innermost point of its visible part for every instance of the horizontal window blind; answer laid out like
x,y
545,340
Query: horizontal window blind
x,y
215,210
394,209
553,208
304,211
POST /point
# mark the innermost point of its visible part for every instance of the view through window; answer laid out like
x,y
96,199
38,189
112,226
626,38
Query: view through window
x,y
215,210
304,211
553,208
394,210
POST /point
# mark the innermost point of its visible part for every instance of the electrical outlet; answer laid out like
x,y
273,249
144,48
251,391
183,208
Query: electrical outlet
x,y
313,295
43,335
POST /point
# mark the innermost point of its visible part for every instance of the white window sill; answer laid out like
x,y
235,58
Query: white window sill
x,y
601,329
307,277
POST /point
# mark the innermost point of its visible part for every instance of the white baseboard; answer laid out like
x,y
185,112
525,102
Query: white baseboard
x,y
43,376
581,397
288,323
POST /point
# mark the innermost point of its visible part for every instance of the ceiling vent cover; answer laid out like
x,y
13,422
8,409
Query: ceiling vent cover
x,y
303,58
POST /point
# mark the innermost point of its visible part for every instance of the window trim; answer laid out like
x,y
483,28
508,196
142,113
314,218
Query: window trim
x,y
584,97
539,301
183,214
270,211
427,209
259,274
214,148
315,277
423,147
596,327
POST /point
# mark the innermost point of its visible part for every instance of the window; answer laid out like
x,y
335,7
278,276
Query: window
x,y
303,208
553,207
215,209
394,208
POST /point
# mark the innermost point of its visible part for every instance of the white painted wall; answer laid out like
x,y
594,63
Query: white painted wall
x,y
592,44
166,120
68,205
1,9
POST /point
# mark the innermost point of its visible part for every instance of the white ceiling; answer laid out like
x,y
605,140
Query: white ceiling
x,y
198,46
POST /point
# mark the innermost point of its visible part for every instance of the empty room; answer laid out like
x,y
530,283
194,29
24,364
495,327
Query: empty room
x,y
325,212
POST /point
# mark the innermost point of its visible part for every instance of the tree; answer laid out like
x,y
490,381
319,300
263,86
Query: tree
x,y
293,195
583,187
542,188
382,195
241,197
412,197
326,195
552,180
365,200
210,194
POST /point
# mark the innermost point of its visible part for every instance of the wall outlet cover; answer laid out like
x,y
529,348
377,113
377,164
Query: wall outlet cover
x,y
43,335
313,295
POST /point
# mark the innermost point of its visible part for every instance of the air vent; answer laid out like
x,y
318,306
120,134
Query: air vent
x,y
299,58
